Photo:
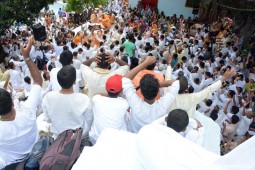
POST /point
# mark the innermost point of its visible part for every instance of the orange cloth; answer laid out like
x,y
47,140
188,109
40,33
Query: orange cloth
x,y
95,41
154,28
77,40
106,23
112,19
136,81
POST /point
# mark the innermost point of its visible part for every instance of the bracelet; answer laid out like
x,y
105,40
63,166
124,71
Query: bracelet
x,y
27,59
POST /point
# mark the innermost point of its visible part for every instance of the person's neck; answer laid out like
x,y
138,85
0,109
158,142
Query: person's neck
x,y
149,101
9,116
67,91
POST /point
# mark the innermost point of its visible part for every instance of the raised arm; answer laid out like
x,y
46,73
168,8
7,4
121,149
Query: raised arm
x,y
148,61
35,73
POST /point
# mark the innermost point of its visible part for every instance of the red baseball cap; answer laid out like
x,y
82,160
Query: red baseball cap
x,y
114,84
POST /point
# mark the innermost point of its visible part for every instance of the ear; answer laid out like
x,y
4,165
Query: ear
x,y
166,119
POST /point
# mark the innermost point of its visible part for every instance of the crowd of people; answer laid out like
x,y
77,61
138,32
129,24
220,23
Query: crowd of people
x,y
125,68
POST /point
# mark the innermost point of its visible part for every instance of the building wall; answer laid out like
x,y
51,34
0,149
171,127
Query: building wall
x,y
170,7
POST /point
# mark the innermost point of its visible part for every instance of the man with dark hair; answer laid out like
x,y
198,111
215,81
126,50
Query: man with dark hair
x,y
109,109
145,112
66,58
229,130
188,102
18,128
149,70
66,109
178,120
97,77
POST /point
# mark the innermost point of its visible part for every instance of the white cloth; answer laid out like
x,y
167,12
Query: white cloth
x,y
168,150
108,113
143,113
243,126
15,79
97,78
17,137
67,111
54,80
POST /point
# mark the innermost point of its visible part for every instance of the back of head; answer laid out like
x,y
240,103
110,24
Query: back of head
x,y
235,119
103,61
235,109
66,76
214,115
178,120
183,84
149,86
66,58
6,102
27,80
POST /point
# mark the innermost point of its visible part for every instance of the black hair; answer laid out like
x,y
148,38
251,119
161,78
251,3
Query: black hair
x,y
235,110
183,84
151,67
65,48
184,58
231,93
6,102
235,119
27,79
178,120
190,89
113,95
208,102
214,114
66,76
175,56
103,61
149,86
134,62
66,58
75,54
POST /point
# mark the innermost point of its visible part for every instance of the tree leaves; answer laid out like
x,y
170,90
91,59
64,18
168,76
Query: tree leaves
x,y
25,11
79,5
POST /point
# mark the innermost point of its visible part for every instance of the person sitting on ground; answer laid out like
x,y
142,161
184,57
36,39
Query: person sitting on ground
x,y
18,128
189,128
97,77
146,111
109,109
66,109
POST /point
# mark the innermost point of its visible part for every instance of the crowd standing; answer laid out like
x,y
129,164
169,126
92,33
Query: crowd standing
x,y
124,68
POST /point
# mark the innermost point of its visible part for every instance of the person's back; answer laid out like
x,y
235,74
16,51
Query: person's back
x,y
129,47
138,77
97,77
146,111
18,128
109,111
66,109
66,58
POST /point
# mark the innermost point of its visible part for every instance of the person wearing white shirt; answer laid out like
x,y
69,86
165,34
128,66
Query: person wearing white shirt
x,y
246,120
76,62
189,128
146,111
208,79
66,109
66,58
18,128
109,109
97,77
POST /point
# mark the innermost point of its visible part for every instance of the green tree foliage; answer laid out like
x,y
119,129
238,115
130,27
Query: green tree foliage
x,y
79,5
25,11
